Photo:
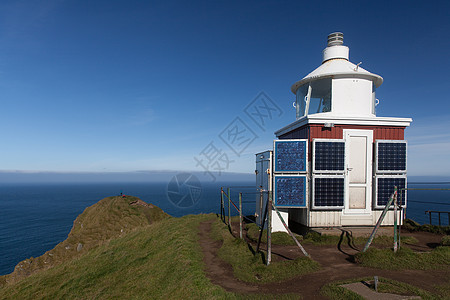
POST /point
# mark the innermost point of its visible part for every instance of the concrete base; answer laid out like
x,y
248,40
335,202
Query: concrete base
x,y
356,231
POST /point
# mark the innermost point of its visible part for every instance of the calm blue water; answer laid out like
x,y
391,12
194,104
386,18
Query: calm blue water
x,y
34,218
419,201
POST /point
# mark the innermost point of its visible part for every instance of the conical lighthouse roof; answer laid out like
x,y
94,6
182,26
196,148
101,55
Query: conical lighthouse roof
x,y
336,64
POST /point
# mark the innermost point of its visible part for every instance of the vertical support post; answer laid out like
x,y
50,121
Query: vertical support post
x,y
269,227
400,223
229,207
429,212
261,205
262,227
221,204
439,214
240,215
395,219
402,219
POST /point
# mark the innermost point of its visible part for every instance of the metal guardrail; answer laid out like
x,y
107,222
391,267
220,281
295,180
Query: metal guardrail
x,y
430,212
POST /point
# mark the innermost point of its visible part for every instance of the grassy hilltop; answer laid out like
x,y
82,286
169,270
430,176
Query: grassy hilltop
x,y
124,248
130,250
108,218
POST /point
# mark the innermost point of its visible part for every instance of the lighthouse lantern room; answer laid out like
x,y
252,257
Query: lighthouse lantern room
x,y
337,163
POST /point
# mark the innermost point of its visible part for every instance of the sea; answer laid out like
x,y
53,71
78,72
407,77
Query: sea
x,y
34,218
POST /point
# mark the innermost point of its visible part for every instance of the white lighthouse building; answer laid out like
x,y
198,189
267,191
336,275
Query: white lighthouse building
x,y
352,159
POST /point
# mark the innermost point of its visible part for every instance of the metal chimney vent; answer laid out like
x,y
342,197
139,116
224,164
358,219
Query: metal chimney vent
x,y
335,39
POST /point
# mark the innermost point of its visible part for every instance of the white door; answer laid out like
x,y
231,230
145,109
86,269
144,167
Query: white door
x,y
358,171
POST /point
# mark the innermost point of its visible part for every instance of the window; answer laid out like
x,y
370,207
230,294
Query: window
x,y
302,93
320,100
314,97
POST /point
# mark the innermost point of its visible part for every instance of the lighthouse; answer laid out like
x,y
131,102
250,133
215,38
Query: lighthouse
x,y
337,163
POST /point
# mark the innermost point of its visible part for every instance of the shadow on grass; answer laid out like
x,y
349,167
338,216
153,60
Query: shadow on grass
x,y
350,243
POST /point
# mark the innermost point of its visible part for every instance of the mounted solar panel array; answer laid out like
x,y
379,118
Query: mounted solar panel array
x,y
328,156
385,187
290,191
328,182
390,171
328,191
290,156
290,169
390,156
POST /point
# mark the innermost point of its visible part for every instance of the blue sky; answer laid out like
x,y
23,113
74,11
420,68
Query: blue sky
x,y
116,86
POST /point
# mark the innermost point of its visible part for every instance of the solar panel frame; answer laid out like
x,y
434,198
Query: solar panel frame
x,y
315,179
315,156
376,203
305,191
276,154
379,156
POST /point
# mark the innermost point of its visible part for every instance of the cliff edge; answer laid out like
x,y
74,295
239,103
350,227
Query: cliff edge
x,y
109,218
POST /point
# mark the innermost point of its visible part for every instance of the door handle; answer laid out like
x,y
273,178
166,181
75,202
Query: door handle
x,y
348,170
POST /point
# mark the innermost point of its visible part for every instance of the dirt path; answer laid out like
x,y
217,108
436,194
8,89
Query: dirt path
x,y
218,271
337,264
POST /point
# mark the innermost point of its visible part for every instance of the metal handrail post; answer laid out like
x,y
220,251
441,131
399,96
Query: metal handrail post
x,y
229,207
221,204
269,228
262,227
240,215
260,204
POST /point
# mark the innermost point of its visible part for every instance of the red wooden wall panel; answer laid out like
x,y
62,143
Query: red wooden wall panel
x,y
318,131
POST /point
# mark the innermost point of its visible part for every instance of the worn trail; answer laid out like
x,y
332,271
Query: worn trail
x,y
336,265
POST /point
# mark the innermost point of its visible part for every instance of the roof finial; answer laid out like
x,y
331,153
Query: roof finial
x,y
335,39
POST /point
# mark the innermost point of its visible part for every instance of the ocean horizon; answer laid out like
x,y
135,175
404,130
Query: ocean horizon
x,y
35,217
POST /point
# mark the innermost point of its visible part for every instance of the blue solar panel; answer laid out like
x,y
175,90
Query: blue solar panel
x,y
385,188
290,191
290,156
329,156
328,192
391,156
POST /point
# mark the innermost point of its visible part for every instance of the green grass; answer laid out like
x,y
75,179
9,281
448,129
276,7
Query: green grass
x,y
278,238
405,258
314,238
109,218
328,240
336,292
387,285
412,226
251,268
159,261
443,290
